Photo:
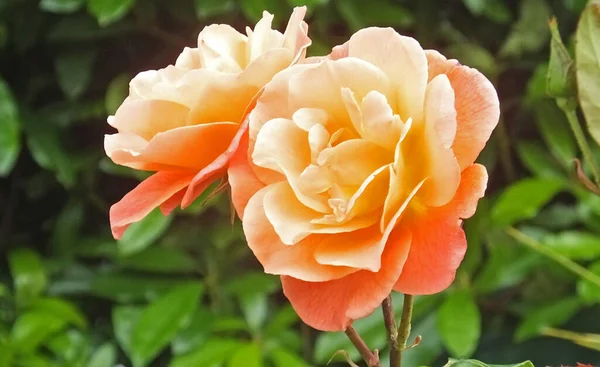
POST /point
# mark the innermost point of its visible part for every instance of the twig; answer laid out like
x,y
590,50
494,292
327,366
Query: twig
x,y
372,358
392,332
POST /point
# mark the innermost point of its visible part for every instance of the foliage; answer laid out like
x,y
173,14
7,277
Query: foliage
x,y
184,290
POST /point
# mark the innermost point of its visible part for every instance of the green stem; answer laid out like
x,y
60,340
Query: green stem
x,y
404,329
392,332
571,114
550,253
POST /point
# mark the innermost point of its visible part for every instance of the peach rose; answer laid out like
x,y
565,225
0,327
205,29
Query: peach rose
x,y
182,121
357,171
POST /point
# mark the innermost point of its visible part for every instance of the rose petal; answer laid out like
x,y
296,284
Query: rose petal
x,y
439,243
333,305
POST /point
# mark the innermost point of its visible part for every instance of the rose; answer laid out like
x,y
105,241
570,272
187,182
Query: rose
x,y
182,121
356,173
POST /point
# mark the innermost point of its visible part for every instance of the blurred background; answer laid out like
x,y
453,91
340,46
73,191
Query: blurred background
x,y
184,291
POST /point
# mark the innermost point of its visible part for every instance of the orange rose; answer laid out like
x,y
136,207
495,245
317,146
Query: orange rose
x,y
182,121
357,171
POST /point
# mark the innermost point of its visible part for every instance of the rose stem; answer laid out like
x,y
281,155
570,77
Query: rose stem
x,y
371,358
392,332
404,329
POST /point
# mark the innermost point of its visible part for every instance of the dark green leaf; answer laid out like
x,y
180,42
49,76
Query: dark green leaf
x,y
495,10
253,283
33,328
213,352
587,291
556,132
523,200
10,136
285,358
29,275
65,236
142,234
282,320
109,11
105,356
62,309
116,92
160,321
195,333
359,14
530,33
130,288
74,71
575,245
459,323
554,314
248,355
586,60
537,159
61,6
45,145
124,319
160,260
211,8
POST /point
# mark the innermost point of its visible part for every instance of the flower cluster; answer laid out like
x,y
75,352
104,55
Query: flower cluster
x,y
351,172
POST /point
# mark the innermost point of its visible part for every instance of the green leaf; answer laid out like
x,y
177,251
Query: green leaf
x,y
360,14
575,245
212,8
160,259
116,92
29,275
459,323
285,358
523,200
105,356
124,318
587,291
537,160
10,135
160,321
248,355
252,283
70,345
530,33
561,74
554,314
587,59
195,333
62,309
253,9
61,6
282,320
475,363
475,56
7,354
142,234
74,71
33,328
109,11
556,132
255,308
65,234
126,288
496,10
213,352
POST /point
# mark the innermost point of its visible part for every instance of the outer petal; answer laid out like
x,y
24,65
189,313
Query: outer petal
x,y
147,196
333,305
439,243
297,260
476,103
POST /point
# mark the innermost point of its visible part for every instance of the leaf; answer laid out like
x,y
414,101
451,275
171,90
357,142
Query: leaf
x,y
284,358
212,8
587,291
7,354
248,355
459,323
530,33
475,363
65,234
523,200
62,309
45,145
109,11
10,135
105,356
252,283
33,328
360,14
537,160
554,314
143,233
160,321
255,308
29,275
215,351
160,259
495,10
253,9
61,6
116,92
587,59
282,320
70,345
74,71
556,132
475,56
574,245
126,288
195,333
560,81
123,320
